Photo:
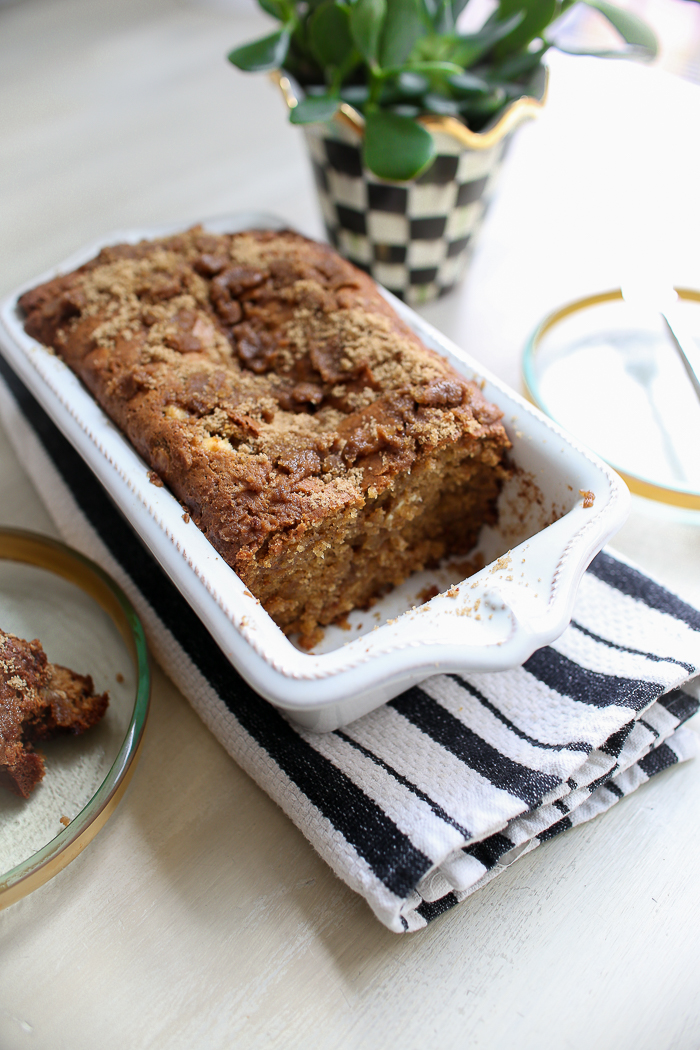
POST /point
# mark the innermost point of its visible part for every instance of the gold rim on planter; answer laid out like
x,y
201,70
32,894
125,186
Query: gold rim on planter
x,y
640,486
517,111
42,552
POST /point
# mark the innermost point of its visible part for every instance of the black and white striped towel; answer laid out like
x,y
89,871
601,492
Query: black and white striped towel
x,y
423,801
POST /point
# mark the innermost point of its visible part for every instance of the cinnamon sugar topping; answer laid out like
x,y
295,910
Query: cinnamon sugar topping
x,y
321,447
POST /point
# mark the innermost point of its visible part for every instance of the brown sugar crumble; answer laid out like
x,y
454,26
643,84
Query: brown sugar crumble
x,y
38,701
324,451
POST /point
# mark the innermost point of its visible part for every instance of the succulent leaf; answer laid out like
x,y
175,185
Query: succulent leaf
x,y
536,16
640,39
315,109
396,59
366,21
329,34
469,48
466,85
272,7
267,53
396,147
403,26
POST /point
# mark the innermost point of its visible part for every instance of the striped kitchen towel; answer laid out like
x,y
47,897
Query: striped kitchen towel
x,y
426,799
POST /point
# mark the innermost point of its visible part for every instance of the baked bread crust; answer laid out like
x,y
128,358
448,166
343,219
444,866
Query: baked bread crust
x,y
38,701
322,448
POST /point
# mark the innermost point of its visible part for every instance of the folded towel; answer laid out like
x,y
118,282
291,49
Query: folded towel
x,y
426,799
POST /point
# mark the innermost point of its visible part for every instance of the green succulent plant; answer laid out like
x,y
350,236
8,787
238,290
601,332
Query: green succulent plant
x,y
395,60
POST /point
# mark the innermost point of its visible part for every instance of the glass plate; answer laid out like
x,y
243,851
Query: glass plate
x,y
609,373
85,622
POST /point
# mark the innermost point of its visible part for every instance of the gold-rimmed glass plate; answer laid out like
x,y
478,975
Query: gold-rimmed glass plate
x,y
608,372
85,622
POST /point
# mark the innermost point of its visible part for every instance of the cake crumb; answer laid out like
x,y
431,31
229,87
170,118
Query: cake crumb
x,y
155,479
427,593
119,677
65,821
503,563
588,497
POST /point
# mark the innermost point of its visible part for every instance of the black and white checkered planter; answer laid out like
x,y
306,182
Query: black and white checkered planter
x,y
414,237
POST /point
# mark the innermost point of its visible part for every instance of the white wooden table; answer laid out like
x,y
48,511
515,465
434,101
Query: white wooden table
x,y
199,916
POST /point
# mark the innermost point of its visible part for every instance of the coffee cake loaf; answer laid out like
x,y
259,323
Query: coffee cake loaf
x,y
321,447
38,701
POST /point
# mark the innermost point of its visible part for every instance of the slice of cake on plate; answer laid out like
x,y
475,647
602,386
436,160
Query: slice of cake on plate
x,y
38,701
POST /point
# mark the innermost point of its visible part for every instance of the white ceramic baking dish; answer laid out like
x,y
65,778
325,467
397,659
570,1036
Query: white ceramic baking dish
x,y
493,620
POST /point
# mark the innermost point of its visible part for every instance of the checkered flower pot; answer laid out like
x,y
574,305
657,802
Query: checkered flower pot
x,y
416,237
413,237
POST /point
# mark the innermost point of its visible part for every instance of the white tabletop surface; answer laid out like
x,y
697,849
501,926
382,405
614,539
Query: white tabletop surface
x,y
199,916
